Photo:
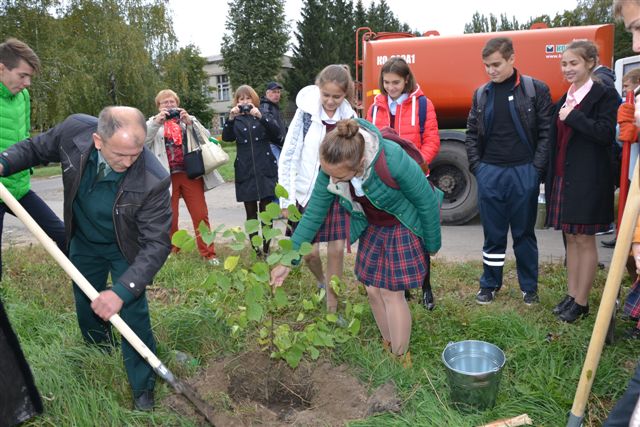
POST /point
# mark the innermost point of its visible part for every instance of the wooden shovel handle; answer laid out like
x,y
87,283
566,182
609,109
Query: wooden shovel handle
x,y
76,276
609,296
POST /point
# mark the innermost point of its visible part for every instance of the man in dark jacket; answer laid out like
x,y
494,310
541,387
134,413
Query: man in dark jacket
x,y
270,108
507,139
117,215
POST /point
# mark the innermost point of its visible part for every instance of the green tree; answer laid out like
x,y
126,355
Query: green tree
x,y
381,18
342,29
310,52
255,40
587,12
326,35
360,15
93,52
183,72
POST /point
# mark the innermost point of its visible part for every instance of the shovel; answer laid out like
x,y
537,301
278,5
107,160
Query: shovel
x,y
159,368
607,302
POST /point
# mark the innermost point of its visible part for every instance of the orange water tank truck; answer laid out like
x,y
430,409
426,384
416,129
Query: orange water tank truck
x,y
449,69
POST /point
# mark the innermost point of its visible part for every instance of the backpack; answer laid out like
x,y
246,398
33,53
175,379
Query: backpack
x,y
306,124
382,168
422,113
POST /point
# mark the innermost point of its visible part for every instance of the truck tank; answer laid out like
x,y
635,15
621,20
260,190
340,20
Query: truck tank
x,y
449,69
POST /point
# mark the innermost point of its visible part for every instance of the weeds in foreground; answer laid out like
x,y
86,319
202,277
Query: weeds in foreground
x,y
84,387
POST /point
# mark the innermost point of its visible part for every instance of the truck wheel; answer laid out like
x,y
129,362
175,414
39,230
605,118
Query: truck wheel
x,y
449,171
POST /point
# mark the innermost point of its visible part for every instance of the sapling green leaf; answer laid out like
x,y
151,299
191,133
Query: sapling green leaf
x,y
354,326
181,239
281,298
252,226
273,209
313,352
300,317
288,257
281,192
274,258
265,217
294,213
271,233
254,312
285,244
260,268
256,240
237,246
305,248
231,262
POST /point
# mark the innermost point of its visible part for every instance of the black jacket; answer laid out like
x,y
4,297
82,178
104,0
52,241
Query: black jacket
x,y
272,111
142,210
587,196
534,116
256,168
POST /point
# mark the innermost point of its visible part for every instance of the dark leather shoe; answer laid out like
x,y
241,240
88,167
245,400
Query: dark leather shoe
x,y
145,402
427,299
609,243
574,312
563,305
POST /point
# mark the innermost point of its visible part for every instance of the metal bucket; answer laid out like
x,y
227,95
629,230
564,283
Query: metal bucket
x,y
474,369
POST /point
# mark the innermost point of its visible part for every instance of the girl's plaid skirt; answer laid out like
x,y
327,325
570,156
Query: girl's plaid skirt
x,y
555,209
632,303
334,226
391,258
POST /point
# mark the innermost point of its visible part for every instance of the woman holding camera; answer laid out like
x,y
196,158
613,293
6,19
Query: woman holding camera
x,y
256,168
167,139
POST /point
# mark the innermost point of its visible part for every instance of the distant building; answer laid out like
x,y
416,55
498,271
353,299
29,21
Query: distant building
x,y
222,92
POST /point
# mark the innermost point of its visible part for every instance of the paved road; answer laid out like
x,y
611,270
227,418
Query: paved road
x,y
458,242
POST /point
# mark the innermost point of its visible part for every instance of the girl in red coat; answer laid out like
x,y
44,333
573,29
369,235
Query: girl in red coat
x,y
402,105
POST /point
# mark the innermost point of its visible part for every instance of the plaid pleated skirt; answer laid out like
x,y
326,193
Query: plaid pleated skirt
x,y
632,303
334,226
555,209
391,258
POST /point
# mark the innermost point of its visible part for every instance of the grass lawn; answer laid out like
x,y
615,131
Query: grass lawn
x,y
83,386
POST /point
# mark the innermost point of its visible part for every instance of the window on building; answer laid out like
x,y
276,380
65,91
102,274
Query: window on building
x,y
224,89
221,119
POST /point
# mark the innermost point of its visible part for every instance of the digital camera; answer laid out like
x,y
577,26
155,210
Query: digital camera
x,y
174,113
244,108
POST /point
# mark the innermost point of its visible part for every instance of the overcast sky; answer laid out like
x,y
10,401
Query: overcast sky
x,y
201,22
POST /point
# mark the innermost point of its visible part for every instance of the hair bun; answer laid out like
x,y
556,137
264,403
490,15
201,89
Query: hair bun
x,y
347,128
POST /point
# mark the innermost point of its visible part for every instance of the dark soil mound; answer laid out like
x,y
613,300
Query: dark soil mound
x,y
252,389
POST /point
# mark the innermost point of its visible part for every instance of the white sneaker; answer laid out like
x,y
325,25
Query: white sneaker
x,y
214,261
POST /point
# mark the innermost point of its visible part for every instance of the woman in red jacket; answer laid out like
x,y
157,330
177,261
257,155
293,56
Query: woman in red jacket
x,y
402,105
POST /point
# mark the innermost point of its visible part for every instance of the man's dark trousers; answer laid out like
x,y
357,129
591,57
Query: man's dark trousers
x,y
95,262
508,197
621,413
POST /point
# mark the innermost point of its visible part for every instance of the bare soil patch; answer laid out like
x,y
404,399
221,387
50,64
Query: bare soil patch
x,y
251,389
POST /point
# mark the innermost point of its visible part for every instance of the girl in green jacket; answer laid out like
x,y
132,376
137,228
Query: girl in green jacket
x,y
394,222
